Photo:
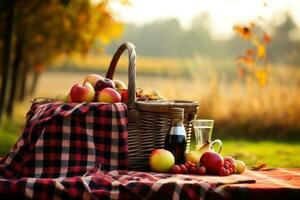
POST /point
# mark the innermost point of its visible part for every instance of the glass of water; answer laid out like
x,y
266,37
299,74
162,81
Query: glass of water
x,y
203,131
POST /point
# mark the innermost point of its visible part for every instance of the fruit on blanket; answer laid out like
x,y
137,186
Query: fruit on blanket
x,y
200,170
175,169
184,169
212,161
82,92
229,159
161,160
109,95
120,85
188,168
240,166
230,163
194,156
93,79
223,172
104,83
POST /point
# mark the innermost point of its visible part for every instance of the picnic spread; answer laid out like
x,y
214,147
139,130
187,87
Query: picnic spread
x,y
115,149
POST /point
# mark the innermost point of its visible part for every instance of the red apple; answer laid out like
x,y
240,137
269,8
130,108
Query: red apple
x,y
212,161
120,85
109,95
124,95
93,79
104,83
82,92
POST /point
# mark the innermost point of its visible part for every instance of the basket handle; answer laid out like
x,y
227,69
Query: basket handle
x,y
131,69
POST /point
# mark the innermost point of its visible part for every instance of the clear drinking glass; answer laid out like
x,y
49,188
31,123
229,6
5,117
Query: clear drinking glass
x,y
203,131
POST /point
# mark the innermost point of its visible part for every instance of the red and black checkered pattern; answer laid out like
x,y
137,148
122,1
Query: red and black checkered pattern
x,y
66,140
116,184
121,184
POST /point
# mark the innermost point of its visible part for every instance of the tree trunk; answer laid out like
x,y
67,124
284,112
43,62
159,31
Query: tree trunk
x,y
7,37
14,76
34,83
23,82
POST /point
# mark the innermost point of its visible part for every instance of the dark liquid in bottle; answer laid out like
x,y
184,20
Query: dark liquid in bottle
x,y
176,144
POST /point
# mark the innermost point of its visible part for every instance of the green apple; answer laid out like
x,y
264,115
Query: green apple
x,y
161,160
240,166
120,85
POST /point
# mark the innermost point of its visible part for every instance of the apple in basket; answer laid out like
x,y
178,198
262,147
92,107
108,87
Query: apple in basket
x,y
161,160
93,79
120,85
108,95
82,92
124,95
104,83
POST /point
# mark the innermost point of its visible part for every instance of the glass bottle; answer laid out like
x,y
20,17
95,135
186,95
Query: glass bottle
x,y
175,140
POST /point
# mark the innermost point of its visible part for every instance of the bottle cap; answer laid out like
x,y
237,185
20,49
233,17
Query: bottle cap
x,y
177,113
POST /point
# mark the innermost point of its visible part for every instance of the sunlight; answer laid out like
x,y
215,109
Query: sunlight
x,y
224,13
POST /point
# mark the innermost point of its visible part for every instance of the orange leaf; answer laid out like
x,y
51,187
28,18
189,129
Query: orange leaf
x,y
244,32
261,51
250,52
261,76
259,166
267,38
241,72
248,60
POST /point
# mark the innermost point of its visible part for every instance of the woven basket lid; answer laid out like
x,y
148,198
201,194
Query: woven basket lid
x,y
166,106
177,113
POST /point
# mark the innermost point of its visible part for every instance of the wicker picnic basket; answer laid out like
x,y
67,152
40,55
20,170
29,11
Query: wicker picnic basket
x,y
148,121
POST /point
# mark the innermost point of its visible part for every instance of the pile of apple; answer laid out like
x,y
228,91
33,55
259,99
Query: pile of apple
x,y
99,89
210,163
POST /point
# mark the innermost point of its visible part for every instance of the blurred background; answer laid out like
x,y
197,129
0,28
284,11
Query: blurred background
x,y
239,59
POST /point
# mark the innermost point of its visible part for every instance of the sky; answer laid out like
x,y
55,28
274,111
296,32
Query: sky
x,y
224,13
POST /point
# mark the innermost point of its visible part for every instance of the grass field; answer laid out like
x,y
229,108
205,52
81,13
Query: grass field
x,y
260,125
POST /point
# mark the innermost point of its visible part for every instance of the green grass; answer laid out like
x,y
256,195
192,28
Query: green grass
x,y
9,133
273,153
284,153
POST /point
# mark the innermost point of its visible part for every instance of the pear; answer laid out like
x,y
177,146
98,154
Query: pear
x,y
193,156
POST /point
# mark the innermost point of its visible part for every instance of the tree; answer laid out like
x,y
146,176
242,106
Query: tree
x,y
6,30
44,30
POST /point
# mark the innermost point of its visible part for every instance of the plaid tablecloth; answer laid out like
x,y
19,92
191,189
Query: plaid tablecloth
x,y
119,184
66,140
270,184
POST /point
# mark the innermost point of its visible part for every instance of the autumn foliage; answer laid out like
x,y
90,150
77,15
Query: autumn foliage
x,y
253,63
36,32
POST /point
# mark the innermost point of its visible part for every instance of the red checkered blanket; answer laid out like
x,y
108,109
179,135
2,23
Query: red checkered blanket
x,y
120,184
80,151
66,140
